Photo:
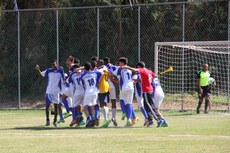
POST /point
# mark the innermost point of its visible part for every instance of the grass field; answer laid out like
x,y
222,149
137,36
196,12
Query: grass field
x,y
23,131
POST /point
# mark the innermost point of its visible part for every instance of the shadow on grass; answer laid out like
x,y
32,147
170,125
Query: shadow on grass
x,y
43,128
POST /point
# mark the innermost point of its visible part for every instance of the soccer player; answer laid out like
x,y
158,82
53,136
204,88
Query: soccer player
x,y
147,89
138,94
103,95
90,81
158,96
202,81
75,80
55,77
126,89
112,91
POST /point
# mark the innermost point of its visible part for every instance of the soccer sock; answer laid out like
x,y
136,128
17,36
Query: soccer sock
x,y
206,105
199,104
97,111
61,116
90,112
133,113
74,113
144,112
66,105
122,104
114,111
129,111
106,112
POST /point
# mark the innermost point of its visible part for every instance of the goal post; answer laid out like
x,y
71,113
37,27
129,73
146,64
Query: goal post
x,y
187,58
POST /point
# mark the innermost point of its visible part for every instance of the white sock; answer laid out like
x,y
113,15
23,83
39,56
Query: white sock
x,y
106,113
114,111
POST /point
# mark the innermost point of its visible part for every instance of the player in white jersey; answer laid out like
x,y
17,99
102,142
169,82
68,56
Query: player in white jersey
x,y
75,80
158,96
112,91
126,89
55,77
90,81
138,94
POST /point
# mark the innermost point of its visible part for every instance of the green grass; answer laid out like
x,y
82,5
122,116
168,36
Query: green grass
x,y
23,131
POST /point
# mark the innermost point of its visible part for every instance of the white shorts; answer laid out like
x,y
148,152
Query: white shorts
x,y
78,100
69,91
52,98
140,101
70,101
90,100
112,93
127,96
158,97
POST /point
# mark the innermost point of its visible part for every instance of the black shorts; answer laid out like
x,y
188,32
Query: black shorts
x,y
103,97
206,92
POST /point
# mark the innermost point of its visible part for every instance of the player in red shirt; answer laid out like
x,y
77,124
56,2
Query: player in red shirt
x,y
147,89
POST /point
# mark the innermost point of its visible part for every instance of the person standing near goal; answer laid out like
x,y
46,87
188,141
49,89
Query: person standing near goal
x,y
202,80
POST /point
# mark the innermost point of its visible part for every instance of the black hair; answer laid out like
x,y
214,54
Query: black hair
x,y
93,64
71,58
123,60
94,58
141,64
100,62
87,66
76,61
106,60
76,65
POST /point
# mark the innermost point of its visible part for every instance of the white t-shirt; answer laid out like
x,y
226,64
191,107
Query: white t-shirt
x,y
90,82
55,80
124,76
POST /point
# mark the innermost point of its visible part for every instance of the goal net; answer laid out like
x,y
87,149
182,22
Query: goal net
x,y
187,58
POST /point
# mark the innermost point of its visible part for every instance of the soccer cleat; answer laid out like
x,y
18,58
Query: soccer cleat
x,y
97,122
164,124
65,115
82,123
90,123
150,123
129,122
114,121
205,112
123,116
146,122
135,120
47,123
160,122
56,124
106,123
73,122
197,111
61,121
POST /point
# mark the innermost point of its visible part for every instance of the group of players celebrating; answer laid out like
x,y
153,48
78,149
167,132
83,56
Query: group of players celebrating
x,y
91,87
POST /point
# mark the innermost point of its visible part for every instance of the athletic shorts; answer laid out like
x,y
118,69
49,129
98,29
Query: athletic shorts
x,y
140,101
103,97
90,100
69,91
206,92
78,100
112,93
127,96
52,98
157,99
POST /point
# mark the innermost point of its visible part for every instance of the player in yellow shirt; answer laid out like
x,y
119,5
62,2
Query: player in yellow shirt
x,y
103,95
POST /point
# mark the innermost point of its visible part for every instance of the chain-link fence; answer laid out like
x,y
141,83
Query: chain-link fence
x,y
31,37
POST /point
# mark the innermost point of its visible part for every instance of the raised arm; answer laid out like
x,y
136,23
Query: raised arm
x,y
37,68
130,68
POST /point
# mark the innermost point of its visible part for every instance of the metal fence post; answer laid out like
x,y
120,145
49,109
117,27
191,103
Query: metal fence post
x,y
57,35
139,33
228,71
98,32
19,63
182,88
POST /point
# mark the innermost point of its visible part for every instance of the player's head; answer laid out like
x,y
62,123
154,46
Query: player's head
x,y
123,61
106,60
54,64
100,62
69,61
94,58
141,64
205,67
77,61
93,65
87,66
75,66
